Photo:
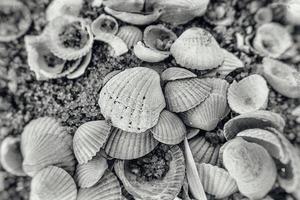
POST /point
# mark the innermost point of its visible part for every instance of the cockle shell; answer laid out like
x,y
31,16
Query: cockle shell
x,y
176,73
45,142
89,138
10,156
125,5
283,78
63,7
53,183
166,188
182,95
131,35
197,49
118,46
249,94
216,181
109,76
147,54
127,146
251,166
133,99
169,129
108,188
105,24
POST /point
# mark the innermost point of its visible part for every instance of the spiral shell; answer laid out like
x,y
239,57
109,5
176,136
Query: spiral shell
x,y
104,24
147,54
176,73
131,35
125,5
63,7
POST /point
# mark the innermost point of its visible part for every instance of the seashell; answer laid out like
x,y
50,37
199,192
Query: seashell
x,y
108,188
117,45
249,94
131,35
97,3
53,183
165,188
45,142
272,40
135,18
84,63
216,181
89,138
282,77
263,15
169,128
63,7
10,156
192,132
220,14
197,49
62,32
105,24
149,55
256,119
292,12
159,68
137,110
110,75
183,95
219,86
87,175
176,73
127,146
15,20
125,5
251,166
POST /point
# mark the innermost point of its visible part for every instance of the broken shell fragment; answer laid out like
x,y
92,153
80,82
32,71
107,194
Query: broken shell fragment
x,y
104,24
131,35
118,46
84,63
63,7
249,94
125,5
176,73
192,132
147,54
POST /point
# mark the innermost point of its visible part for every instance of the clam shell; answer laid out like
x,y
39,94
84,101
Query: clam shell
x,y
197,49
108,188
10,156
105,24
110,75
216,181
87,175
89,138
167,188
283,78
131,35
45,142
53,183
176,73
133,99
192,132
169,129
127,146
85,61
256,119
125,5
249,94
251,166
118,46
149,55
63,7
182,95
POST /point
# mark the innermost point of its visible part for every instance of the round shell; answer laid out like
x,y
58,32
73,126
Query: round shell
x,y
249,94
263,15
167,188
127,146
251,166
89,138
133,99
104,24
149,55
45,142
216,181
53,183
131,35
176,73
63,7
197,49
125,5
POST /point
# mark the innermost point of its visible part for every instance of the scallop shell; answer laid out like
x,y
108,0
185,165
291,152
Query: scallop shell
x,y
24,20
125,5
137,110
283,78
108,188
118,46
131,35
249,94
45,142
251,166
272,40
84,63
105,24
63,7
53,183
216,181
192,132
110,75
89,138
10,156
127,146
169,129
197,49
166,189
149,55
182,95
87,175
176,73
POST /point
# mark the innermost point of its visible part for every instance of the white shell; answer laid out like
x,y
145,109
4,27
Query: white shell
x,y
147,54
105,24
63,7
131,35
176,73
118,46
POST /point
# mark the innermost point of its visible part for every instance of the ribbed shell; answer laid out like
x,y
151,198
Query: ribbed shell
x,y
176,73
216,181
127,146
109,76
108,188
192,132
53,183
131,35
108,22
219,86
169,129
133,99
63,7
197,49
45,142
147,54
182,95
89,138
